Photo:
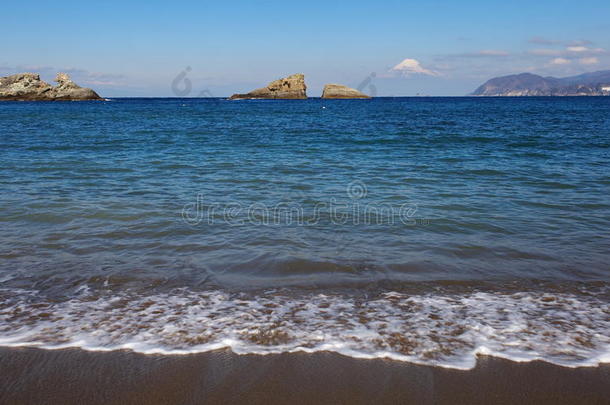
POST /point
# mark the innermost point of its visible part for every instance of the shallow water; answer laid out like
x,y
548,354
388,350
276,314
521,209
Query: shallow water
x,y
421,229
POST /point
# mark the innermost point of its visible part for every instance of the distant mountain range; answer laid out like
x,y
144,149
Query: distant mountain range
x,y
527,84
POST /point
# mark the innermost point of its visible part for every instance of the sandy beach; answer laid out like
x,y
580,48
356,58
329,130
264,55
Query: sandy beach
x,y
72,376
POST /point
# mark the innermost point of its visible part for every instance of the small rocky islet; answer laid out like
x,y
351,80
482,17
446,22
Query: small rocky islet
x,y
29,87
292,88
340,91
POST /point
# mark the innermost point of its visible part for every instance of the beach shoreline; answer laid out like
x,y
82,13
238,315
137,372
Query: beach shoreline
x,y
426,231
74,376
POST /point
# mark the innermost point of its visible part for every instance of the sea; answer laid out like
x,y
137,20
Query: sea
x,y
426,230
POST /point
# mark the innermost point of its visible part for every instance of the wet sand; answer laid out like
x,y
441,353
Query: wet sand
x,y
73,376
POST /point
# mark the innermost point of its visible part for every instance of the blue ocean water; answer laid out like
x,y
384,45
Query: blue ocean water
x,y
422,229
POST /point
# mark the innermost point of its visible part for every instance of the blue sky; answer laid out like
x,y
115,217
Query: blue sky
x,y
138,48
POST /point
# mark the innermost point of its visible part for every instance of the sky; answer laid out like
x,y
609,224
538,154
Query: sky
x,y
384,47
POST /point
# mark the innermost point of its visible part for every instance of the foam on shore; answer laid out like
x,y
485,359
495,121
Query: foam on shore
x,y
440,329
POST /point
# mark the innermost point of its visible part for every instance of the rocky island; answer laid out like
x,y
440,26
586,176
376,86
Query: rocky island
x,y
528,84
29,87
340,91
292,87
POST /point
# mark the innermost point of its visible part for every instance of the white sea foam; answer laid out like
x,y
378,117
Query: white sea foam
x,y
439,329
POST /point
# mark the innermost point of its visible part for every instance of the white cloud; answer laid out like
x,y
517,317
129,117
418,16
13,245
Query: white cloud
x,y
580,42
560,61
544,52
492,52
485,53
412,66
581,49
589,61
577,48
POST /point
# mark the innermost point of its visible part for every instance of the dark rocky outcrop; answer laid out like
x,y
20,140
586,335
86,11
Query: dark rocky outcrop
x,y
291,87
340,91
29,87
527,84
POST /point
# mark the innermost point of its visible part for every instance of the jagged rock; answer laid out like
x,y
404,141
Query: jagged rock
x,y
66,89
29,87
339,91
291,87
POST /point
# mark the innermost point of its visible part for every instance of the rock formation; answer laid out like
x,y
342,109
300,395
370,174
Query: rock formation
x,y
29,87
339,91
527,84
291,87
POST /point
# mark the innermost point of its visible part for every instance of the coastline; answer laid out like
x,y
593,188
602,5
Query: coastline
x,y
73,376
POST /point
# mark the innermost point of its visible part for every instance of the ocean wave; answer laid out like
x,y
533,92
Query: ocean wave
x,y
436,328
